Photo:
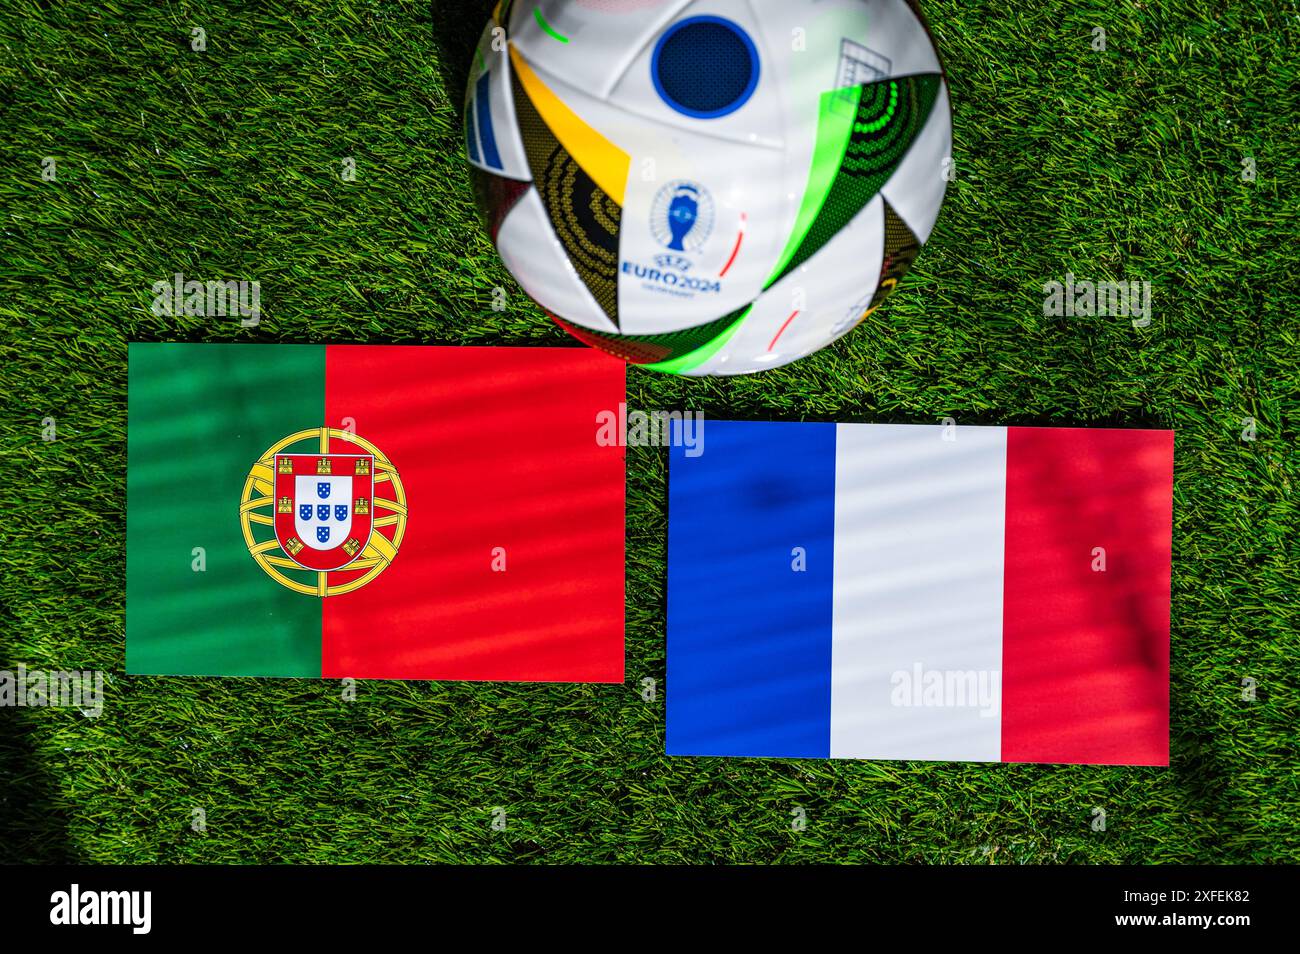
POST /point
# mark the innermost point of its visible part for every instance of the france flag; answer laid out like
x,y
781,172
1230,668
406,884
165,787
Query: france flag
x,y
920,592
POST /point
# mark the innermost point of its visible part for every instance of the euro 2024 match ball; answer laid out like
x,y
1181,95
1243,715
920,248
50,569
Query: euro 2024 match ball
x,y
708,188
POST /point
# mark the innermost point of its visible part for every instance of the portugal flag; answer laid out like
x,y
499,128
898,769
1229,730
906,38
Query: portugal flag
x,y
383,512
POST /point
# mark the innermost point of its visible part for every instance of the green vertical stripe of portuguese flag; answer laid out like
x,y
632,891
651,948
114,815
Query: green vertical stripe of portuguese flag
x,y
199,416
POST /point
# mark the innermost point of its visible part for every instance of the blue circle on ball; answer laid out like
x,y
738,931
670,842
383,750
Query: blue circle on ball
x,y
705,67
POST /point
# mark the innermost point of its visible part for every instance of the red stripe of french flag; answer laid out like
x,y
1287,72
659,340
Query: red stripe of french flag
x,y
1085,632
1011,587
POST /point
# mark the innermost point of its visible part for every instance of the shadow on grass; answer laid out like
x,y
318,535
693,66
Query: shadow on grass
x,y
1204,773
457,26
33,821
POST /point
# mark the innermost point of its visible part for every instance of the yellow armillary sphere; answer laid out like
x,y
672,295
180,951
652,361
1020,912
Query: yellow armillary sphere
x,y
323,511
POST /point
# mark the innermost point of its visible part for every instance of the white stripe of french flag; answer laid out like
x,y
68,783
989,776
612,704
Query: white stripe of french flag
x,y
921,592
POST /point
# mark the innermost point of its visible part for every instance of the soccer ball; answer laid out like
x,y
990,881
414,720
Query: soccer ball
x,y
708,187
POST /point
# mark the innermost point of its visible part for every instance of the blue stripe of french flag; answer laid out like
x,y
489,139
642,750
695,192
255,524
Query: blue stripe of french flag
x,y
920,592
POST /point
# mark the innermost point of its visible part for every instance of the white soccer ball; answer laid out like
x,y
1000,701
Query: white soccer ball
x,y
710,187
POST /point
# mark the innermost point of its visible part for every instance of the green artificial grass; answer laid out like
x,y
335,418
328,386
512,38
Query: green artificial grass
x,y
1124,164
